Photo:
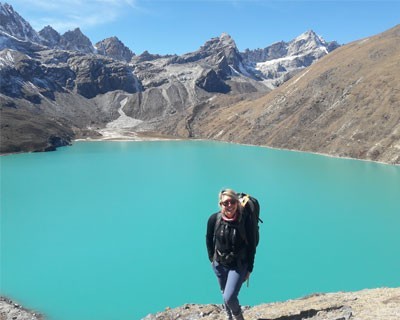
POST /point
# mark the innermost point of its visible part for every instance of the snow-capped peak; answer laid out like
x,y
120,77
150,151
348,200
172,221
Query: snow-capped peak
x,y
13,24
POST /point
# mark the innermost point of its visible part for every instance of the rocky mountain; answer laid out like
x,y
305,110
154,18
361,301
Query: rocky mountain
x,y
172,84
16,33
346,104
50,36
115,49
280,61
13,24
75,40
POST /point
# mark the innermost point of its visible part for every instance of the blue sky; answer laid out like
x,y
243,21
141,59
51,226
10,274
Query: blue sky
x,y
182,26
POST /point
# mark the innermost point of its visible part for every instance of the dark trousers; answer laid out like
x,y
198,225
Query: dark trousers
x,y
230,281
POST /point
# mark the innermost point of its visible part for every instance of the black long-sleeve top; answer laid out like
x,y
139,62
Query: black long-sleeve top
x,y
250,236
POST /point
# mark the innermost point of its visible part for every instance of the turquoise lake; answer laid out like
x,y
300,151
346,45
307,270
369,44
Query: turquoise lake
x,y
116,230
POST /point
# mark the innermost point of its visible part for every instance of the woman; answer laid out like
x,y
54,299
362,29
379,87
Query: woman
x,y
231,249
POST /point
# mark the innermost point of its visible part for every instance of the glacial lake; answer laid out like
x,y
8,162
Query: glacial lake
x,y
116,230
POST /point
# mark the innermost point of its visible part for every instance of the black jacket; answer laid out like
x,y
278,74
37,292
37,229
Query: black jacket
x,y
250,245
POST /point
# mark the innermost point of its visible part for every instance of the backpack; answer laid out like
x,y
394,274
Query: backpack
x,y
251,207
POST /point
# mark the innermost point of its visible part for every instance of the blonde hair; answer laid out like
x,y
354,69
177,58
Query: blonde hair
x,y
228,192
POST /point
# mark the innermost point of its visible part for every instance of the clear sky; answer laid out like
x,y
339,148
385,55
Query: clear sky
x,y
182,26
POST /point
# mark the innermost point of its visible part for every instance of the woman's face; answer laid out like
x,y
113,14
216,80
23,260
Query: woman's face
x,y
228,205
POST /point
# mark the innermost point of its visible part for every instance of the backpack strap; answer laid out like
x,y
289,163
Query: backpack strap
x,y
243,200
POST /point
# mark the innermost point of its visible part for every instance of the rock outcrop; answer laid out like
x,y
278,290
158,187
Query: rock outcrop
x,y
10,310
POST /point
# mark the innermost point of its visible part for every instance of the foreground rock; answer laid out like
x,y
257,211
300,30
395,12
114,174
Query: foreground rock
x,y
370,304
10,310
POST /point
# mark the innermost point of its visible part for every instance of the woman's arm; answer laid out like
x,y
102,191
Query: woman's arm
x,y
210,236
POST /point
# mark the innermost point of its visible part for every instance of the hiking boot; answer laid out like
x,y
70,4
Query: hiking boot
x,y
238,316
228,312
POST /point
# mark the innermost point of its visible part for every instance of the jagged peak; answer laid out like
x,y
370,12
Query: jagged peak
x,y
6,9
76,31
114,48
310,35
223,41
50,36
112,39
225,37
49,31
13,24
76,34
77,41
48,28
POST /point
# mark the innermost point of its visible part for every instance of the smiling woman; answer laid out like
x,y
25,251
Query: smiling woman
x,y
231,249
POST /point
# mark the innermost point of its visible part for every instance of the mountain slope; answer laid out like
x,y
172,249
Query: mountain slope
x,y
347,104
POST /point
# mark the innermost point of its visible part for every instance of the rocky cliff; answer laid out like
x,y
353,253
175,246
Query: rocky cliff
x,y
369,304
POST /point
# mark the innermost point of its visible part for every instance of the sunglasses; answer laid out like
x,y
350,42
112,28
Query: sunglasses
x,y
228,202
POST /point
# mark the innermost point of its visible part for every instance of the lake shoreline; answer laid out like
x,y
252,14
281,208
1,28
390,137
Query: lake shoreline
x,y
156,137
121,135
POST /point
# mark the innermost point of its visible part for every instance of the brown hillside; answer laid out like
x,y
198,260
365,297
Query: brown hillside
x,y
347,104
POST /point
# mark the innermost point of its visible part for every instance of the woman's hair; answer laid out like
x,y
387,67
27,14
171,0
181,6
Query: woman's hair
x,y
228,192
231,194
